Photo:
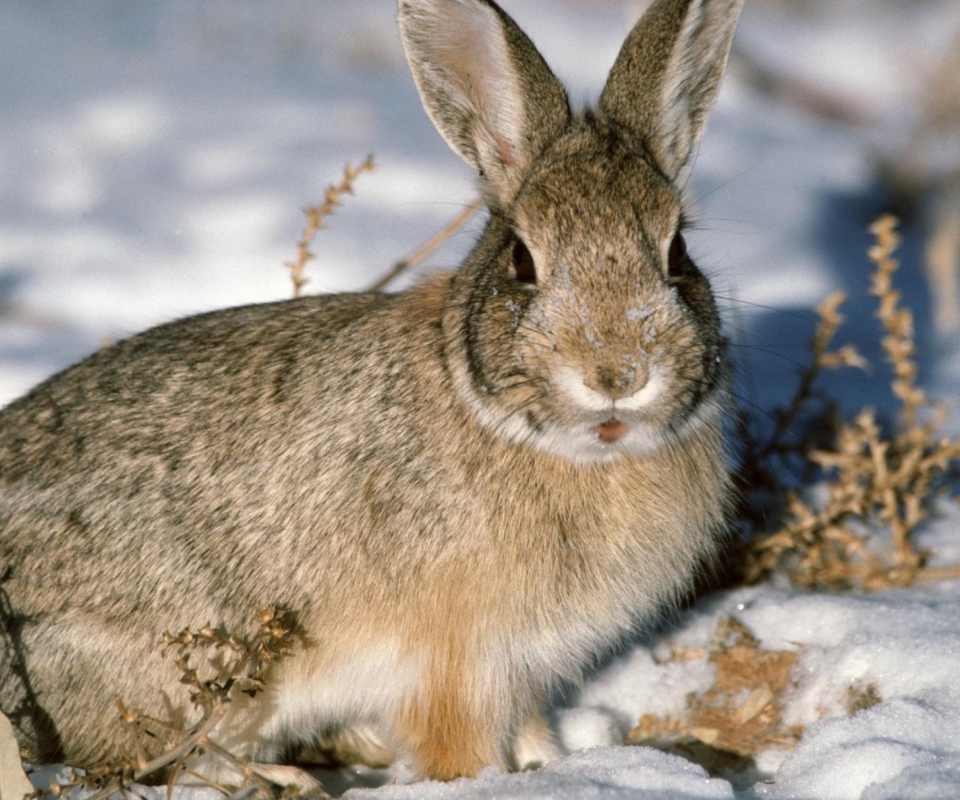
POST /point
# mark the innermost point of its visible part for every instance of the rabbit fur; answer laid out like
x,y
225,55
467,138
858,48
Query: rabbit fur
x,y
466,491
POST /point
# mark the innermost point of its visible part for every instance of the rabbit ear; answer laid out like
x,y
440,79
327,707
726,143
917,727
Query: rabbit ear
x,y
664,81
484,85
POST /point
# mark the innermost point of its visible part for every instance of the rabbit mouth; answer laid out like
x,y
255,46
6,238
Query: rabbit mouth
x,y
611,431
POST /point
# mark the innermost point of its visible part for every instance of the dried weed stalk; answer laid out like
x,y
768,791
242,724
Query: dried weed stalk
x,y
333,197
237,665
874,480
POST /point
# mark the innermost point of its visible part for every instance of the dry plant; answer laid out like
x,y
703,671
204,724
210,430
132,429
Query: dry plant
x,y
236,665
775,460
873,480
333,197
860,697
741,714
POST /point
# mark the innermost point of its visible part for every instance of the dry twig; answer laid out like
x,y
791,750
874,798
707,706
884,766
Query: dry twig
x,y
809,419
333,197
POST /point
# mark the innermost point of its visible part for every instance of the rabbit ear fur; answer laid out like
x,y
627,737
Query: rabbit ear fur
x,y
485,86
663,83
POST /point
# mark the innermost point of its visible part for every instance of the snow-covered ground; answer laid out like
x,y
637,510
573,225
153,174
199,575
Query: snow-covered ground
x,y
155,159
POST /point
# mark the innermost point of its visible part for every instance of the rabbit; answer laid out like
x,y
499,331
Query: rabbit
x,y
468,492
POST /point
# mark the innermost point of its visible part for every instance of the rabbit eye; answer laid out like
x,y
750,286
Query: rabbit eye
x,y
677,257
523,263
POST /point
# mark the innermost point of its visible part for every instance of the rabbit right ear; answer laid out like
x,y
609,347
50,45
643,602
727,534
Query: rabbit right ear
x,y
485,86
664,81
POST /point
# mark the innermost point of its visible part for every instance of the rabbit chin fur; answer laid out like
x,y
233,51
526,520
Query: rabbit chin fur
x,y
466,492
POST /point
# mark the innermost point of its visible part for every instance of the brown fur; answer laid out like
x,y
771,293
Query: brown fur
x,y
425,478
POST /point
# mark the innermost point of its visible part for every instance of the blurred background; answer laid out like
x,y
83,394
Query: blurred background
x,y
157,155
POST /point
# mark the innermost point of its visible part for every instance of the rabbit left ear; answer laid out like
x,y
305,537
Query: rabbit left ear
x,y
485,86
663,83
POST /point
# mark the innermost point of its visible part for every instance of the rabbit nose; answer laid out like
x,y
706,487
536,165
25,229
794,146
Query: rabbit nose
x,y
618,382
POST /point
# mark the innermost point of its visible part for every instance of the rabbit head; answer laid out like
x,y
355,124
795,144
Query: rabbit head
x,y
580,323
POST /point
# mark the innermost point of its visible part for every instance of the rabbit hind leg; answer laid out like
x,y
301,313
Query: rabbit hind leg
x,y
348,745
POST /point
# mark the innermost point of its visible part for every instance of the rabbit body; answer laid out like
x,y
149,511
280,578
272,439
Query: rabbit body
x,y
466,491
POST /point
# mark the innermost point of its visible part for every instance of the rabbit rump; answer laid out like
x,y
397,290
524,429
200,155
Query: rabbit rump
x,y
466,492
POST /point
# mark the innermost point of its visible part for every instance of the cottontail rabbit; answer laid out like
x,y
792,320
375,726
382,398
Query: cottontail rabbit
x,y
466,491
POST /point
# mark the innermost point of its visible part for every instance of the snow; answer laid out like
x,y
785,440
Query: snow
x,y
156,158
602,772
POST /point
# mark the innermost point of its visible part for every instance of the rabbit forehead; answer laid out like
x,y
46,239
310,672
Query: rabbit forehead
x,y
590,205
